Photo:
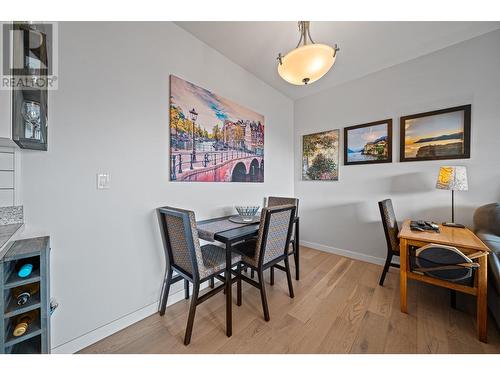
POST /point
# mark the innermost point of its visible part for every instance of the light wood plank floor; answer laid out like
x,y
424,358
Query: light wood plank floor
x,y
338,308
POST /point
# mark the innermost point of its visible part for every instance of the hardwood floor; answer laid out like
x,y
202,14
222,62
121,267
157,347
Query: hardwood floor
x,y
338,308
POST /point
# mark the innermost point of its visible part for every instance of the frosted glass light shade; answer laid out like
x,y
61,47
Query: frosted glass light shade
x,y
452,178
306,64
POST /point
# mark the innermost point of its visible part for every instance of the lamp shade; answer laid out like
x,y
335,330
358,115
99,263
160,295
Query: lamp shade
x,y
452,178
307,64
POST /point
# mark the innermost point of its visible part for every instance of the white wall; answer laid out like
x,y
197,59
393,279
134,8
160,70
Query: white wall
x,y
110,114
344,215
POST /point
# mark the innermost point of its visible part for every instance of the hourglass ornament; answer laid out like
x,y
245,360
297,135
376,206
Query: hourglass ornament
x,y
31,114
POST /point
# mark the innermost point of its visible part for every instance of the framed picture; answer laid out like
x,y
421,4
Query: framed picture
x,y
320,156
213,139
436,135
368,143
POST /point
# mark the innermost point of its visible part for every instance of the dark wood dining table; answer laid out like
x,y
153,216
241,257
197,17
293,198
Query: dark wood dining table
x,y
229,238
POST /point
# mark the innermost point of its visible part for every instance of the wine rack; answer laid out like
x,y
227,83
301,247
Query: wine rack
x,y
34,309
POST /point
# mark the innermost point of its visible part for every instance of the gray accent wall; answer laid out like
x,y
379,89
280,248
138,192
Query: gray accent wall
x,y
110,114
343,216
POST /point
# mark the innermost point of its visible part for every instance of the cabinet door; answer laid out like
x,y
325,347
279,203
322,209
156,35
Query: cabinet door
x,y
5,111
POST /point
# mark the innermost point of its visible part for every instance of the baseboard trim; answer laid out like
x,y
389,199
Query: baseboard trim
x,y
106,330
344,253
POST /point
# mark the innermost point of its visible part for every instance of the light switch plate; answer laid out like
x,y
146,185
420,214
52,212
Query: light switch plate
x,y
103,180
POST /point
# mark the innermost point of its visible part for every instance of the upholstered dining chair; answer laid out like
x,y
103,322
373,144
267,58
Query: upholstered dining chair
x,y
391,231
294,242
269,248
192,262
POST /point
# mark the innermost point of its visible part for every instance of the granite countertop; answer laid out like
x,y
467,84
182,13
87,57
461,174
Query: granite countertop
x,y
6,233
11,221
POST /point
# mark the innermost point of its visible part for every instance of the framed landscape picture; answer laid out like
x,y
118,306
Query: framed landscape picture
x,y
436,135
368,143
213,139
320,156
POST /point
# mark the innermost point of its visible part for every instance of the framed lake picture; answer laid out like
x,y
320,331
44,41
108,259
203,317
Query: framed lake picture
x,y
213,139
320,156
436,135
368,143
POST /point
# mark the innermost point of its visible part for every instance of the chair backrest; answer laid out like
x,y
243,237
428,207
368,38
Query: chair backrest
x,y
275,231
280,201
390,223
180,239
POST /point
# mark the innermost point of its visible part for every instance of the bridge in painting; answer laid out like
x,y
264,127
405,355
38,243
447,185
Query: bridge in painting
x,y
217,166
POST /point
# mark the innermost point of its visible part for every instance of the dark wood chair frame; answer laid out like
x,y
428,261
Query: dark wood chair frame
x,y
182,274
261,266
390,251
295,245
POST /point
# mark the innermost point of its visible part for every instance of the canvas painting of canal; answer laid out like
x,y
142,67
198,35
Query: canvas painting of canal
x,y
320,156
368,143
436,135
213,139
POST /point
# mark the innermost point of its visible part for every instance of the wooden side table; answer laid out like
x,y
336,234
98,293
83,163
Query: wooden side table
x,y
467,242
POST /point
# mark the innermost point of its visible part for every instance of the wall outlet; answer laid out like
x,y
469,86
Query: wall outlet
x,y
103,180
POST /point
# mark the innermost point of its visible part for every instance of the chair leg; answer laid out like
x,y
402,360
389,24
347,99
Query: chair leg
x,y
186,289
289,277
453,299
386,269
296,245
238,286
192,311
252,273
212,282
166,290
265,307
297,263
272,275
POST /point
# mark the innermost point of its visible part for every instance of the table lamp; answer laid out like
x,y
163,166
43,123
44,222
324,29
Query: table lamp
x,y
454,179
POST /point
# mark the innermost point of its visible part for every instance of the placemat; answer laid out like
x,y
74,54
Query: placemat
x,y
207,230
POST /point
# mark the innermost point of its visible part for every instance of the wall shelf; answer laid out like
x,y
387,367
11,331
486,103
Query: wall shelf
x,y
36,339
13,280
13,309
34,329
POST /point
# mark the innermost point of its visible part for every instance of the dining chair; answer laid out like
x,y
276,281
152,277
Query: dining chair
x,y
391,232
294,242
267,250
192,262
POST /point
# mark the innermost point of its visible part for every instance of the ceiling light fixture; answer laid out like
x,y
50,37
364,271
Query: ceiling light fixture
x,y
307,62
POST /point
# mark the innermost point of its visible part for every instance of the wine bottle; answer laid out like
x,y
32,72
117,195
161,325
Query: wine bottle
x,y
23,323
25,270
23,293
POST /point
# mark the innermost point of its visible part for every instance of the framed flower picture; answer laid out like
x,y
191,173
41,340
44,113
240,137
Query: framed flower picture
x,y
320,156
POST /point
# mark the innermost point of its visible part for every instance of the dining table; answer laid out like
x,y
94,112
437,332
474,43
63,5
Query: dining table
x,y
222,229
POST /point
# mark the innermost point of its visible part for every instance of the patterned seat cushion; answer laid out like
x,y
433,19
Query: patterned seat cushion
x,y
247,250
214,260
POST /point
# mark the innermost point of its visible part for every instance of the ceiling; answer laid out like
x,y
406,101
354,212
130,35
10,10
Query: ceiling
x,y
365,47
